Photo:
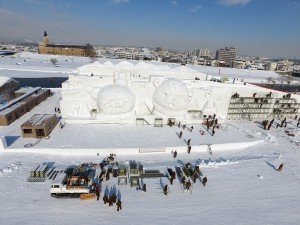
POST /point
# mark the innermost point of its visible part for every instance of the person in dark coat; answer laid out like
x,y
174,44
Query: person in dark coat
x,y
174,154
280,167
119,205
265,124
166,189
189,142
110,201
101,165
101,177
197,170
213,131
172,178
188,185
191,128
94,185
97,193
189,149
114,198
105,199
180,134
216,121
194,177
107,175
144,188
269,126
282,122
179,124
204,181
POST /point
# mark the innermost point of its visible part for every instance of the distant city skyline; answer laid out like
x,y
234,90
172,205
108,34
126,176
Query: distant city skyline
x,y
266,28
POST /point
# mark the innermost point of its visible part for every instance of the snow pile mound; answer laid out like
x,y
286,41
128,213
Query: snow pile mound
x,y
215,162
8,169
267,137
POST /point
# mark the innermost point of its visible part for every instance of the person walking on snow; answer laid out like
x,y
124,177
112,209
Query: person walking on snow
x,y
189,149
174,154
189,142
166,189
97,193
105,199
188,185
180,134
119,205
280,167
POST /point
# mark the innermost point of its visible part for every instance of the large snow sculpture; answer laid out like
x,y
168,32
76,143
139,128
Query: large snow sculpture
x,y
115,99
171,98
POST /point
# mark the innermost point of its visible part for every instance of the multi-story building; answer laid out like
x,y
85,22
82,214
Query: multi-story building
x,y
58,49
227,54
204,53
271,66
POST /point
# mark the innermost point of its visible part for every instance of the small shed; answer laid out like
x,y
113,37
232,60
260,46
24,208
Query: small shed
x,y
40,125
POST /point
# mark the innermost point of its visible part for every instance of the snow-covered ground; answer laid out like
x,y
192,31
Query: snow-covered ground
x,y
243,186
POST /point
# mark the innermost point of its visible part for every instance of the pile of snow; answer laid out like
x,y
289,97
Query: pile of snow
x,y
214,162
10,168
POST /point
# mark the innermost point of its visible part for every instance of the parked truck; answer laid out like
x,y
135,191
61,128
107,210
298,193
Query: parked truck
x,y
66,186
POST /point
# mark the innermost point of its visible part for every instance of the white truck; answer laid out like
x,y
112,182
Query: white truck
x,y
73,187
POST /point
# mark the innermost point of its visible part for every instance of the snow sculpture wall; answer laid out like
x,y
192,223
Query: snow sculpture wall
x,y
125,93
115,99
171,98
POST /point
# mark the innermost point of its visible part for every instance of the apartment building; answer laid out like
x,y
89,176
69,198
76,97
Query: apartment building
x,y
227,54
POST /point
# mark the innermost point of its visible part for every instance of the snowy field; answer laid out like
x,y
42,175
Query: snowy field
x,y
243,186
26,65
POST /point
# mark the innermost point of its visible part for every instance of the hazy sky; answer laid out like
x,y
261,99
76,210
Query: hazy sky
x,y
268,28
